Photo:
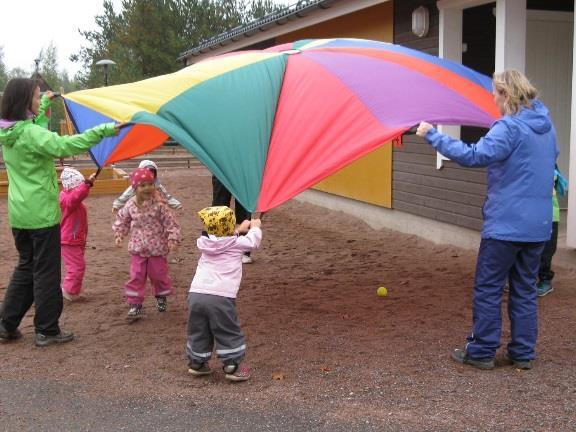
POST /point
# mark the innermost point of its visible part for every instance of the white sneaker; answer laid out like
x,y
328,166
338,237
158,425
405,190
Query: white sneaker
x,y
247,259
70,297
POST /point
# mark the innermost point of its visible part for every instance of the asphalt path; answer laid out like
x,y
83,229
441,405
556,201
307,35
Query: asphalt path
x,y
58,407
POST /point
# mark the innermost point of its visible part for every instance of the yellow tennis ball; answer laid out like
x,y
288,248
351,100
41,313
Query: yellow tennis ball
x,y
382,292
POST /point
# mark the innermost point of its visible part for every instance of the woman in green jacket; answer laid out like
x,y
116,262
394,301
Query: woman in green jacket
x,y
29,151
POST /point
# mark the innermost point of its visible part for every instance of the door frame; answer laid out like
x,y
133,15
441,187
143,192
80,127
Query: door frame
x,y
510,53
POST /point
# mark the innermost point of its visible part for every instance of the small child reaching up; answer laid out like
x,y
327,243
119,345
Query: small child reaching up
x,y
73,229
212,315
129,192
154,232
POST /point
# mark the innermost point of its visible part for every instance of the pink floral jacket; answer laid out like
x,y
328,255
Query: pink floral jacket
x,y
152,227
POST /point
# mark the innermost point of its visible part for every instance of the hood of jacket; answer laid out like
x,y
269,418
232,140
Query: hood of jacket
x,y
215,245
10,131
536,118
146,163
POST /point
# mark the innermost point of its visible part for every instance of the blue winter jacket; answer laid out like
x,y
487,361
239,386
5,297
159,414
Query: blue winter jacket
x,y
520,152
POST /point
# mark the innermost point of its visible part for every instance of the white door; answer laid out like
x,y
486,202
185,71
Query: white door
x,y
549,38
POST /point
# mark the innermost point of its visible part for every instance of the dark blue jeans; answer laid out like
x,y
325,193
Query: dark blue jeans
x,y
498,262
545,273
36,279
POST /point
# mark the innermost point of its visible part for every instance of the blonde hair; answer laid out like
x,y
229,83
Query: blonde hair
x,y
516,87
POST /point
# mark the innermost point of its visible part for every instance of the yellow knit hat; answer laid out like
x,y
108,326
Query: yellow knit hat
x,y
219,221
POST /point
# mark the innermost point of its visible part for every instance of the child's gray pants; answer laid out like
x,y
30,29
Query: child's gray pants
x,y
212,319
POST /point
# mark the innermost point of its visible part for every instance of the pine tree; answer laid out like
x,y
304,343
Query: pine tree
x,y
146,37
3,74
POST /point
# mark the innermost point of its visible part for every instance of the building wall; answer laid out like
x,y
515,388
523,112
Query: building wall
x,y
374,22
452,194
369,179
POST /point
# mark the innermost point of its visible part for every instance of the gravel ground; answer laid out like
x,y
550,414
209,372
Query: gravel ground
x,y
326,353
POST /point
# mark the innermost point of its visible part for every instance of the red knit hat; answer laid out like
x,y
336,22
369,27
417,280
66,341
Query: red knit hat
x,y
141,175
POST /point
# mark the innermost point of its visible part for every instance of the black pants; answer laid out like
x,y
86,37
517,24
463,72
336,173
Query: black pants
x,y
222,197
36,279
545,272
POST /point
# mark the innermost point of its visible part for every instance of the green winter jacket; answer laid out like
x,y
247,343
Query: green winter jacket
x,y
555,208
29,151
43,119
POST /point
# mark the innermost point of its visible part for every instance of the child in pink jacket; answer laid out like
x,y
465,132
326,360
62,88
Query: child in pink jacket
x,y
73,229
212,315
154,232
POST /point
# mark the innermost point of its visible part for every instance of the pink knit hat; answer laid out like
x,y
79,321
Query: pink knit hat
x,y
141,175
71,178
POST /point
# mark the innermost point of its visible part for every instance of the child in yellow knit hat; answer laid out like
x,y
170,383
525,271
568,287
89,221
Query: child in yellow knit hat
x,y
212,312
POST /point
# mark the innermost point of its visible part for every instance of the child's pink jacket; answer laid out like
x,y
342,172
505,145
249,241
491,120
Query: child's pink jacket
x,y
219,270
74,223
151,226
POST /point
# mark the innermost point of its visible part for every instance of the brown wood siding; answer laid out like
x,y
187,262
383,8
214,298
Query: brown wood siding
x,y
403,25
453,194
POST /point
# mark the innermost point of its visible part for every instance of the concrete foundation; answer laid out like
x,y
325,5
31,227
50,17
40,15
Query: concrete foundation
x,y
434,231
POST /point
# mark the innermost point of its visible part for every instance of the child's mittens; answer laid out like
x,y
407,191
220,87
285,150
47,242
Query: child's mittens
x,y
90,180
118,241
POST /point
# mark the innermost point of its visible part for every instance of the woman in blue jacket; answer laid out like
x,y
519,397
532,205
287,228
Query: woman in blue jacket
x,y
519,152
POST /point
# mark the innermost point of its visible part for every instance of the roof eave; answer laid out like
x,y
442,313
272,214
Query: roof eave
x,y
277,24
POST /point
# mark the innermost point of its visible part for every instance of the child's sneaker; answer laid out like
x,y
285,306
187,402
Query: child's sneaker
x,y
237,372
199,369
70,297
135,312
544,287
161,303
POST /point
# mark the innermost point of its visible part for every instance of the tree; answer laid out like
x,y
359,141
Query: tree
x,y
102,42
48,69
146,37
18,73
56,80
3,74
150,33
261,8
49,66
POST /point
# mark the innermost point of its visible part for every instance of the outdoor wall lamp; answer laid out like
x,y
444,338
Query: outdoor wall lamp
x,y
420,21
105,63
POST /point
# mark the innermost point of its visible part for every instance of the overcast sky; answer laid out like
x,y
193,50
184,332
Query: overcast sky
x,y
26,28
